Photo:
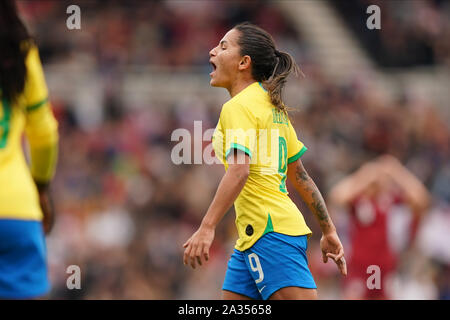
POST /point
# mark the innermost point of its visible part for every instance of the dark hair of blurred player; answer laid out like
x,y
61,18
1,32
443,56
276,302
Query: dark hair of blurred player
x,y
14,42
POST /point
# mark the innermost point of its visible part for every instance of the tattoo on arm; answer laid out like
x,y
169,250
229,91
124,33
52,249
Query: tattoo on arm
x,y
301,175
312,197
319,205
320,209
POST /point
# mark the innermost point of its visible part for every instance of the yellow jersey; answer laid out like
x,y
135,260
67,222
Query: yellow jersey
x,y
251,123
31,113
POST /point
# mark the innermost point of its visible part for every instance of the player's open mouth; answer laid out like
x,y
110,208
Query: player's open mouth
x,y
214,68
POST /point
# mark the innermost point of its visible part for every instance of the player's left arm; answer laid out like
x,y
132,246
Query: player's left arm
x,y
330,244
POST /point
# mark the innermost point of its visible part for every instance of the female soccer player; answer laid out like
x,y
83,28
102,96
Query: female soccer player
x,y
370,196
259,148
25,206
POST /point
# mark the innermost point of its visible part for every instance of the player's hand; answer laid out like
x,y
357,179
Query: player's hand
x,y
332,248
197,246
46,203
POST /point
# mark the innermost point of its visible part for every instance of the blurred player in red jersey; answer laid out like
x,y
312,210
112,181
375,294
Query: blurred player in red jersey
x,y
370,195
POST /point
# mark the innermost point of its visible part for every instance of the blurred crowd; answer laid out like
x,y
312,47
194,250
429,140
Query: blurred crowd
x,y
124,209
413,33
162,33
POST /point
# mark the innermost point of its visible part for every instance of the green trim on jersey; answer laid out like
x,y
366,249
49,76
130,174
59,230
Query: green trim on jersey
x,y
4,123
37,105
260,84
239,147
298,155
269,226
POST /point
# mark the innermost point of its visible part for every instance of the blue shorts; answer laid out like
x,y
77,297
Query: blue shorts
x,y
23,266
275,261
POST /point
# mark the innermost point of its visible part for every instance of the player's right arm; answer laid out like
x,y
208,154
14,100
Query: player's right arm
x,y
41,130
238,126
233,181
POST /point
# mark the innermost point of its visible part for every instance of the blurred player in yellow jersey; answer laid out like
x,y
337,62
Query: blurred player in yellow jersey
x,y
26,213
259,148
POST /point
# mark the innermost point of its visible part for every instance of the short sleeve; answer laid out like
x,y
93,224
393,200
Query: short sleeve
x,y
296,148
36,92
239,127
